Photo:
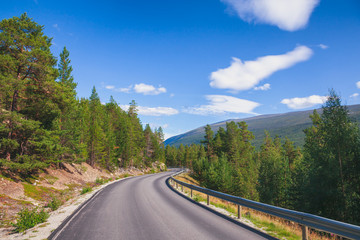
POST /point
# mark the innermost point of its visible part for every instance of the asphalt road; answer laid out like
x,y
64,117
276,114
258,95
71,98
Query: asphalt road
x,y
145,207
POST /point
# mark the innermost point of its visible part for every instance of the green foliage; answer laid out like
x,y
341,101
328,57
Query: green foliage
x,y
38,192
54,204
274,173
42,122
99,181
86,190
27,218
322,179
331,155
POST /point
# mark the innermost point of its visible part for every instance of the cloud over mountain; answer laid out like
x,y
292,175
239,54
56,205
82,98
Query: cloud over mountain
x,y
221,104
153,111
305,102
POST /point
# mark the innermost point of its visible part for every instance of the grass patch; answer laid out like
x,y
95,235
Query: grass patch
x,y
86,190
27,218
38,192
273,226
54,204
198,198
273,229
102,180
51,179
99,181
125,175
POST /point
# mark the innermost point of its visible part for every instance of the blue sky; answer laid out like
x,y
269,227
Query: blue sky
x,y
192,62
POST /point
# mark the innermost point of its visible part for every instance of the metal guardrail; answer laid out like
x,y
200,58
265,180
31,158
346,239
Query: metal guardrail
x,y
304,219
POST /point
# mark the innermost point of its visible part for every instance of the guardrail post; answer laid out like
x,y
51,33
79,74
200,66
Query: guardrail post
x,y
176,185
182,188
239,212
208,199
305,232
191,193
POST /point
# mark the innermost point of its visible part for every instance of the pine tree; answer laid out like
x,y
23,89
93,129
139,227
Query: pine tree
x,y
209,135
65,70
30,98
96,134
332,156
272,187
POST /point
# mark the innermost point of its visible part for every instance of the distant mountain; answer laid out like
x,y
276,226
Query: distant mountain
x,y
289,124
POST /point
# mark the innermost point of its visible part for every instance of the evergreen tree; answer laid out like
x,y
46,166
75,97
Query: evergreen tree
x,y
332,156
65,70
96,134
272,187
209,135
30,99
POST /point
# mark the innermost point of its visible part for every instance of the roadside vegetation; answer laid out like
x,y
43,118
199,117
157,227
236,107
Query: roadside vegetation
x,y
44,124
322,178
42,121
271,225
28,218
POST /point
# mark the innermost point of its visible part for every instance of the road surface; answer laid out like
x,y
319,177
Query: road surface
x,y
145,207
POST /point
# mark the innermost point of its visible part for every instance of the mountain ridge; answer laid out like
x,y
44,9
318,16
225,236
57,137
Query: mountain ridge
x,y
290,124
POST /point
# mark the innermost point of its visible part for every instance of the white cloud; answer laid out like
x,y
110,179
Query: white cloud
x,y
139,88
264,87
306,102
220,104
358,84
56,26
323,46
124,90
148,89
245,75
354,95
153,111
290,15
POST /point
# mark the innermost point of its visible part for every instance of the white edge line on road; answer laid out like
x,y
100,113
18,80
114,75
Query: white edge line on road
x,y
77,212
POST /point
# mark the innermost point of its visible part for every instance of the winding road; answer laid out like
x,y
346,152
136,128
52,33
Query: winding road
x,y
145,207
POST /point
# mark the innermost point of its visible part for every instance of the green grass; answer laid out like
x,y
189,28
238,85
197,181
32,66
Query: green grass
x,y
271,228
51,179
99,181
125,175
227,207
54,204
38,192
198,198
27,218
86,190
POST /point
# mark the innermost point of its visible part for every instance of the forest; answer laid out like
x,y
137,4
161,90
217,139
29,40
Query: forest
x,y
43,122
322,178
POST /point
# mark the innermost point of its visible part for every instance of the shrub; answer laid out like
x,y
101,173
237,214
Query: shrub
x,y
85,190
197,198
99,181
54,204
27,218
